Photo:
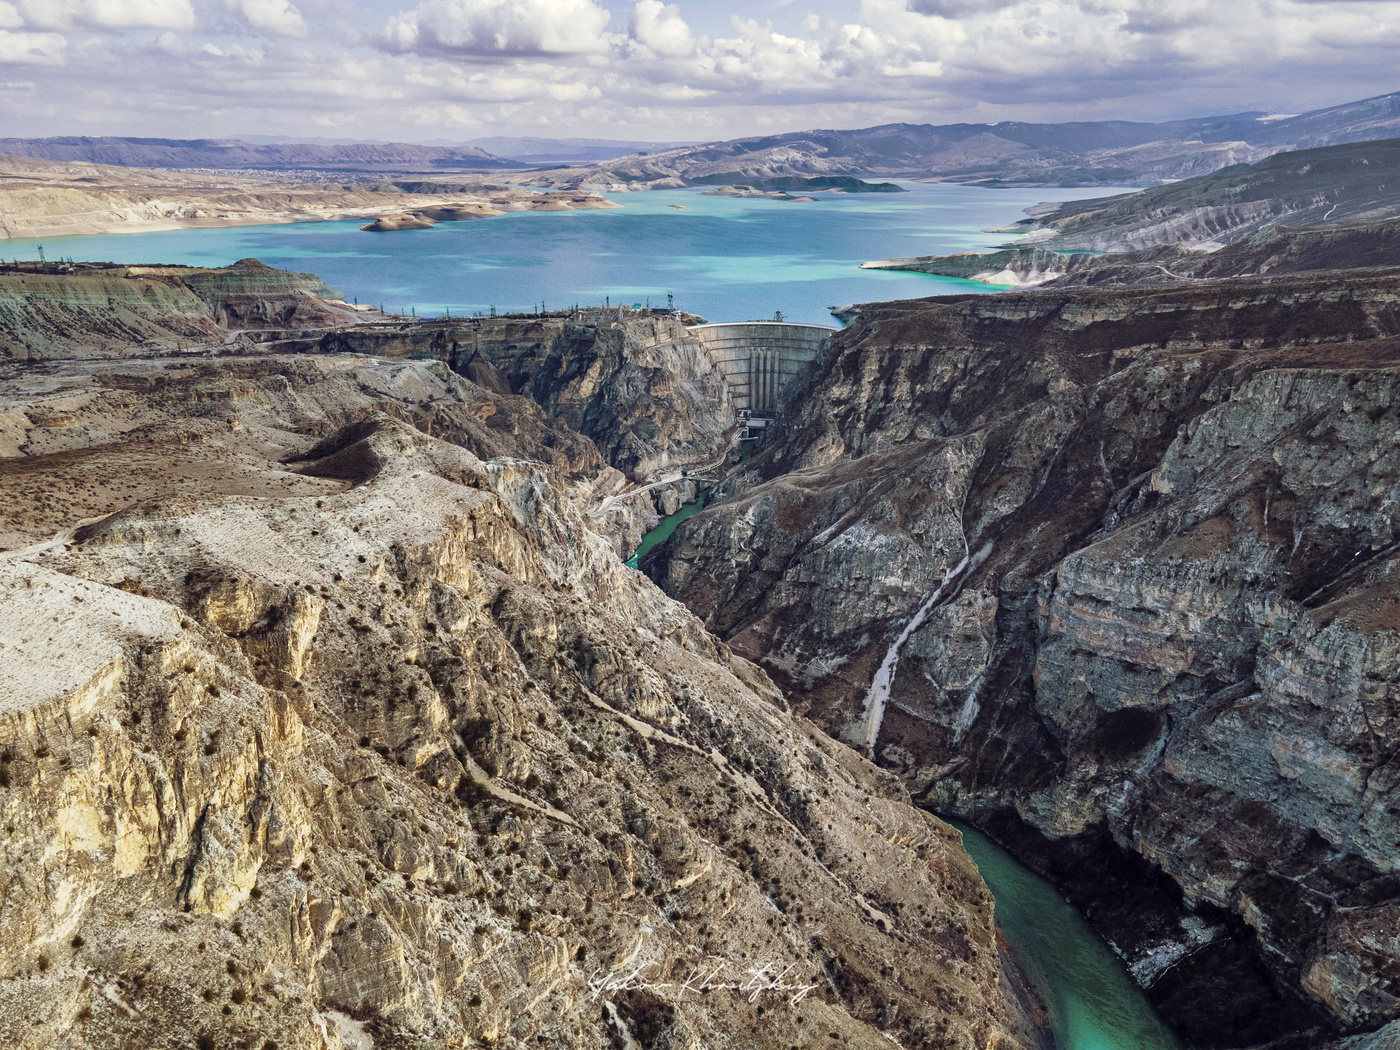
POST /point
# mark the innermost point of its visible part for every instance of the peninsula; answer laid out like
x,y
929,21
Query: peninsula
x,y
42,198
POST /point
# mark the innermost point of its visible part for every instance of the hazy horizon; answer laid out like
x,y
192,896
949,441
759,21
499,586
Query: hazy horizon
x,y
458,70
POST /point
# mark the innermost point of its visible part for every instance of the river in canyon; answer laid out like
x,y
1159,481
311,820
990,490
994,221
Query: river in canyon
x,y
1094,1004
726,259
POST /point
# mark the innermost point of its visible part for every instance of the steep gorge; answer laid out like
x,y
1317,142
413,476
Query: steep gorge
x,y
331,719
1161,660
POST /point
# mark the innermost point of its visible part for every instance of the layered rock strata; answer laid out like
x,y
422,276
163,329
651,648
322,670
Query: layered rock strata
x,y
344,735
1352,183
101,311
1113,574
636,382
1273,250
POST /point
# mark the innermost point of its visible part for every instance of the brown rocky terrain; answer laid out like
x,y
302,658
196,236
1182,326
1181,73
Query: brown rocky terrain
x,y
1270,250
635,382
41,198
330,719
1353,183
1112,574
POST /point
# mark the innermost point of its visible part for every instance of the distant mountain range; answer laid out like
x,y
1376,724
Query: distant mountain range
x,y
235,154
568,151
527,149
1103,153
1085,153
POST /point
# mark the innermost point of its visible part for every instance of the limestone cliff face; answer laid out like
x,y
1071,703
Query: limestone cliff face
x,y
132,311
638,384
1113,574
322,731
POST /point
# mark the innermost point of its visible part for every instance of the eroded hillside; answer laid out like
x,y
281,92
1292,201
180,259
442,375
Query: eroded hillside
x,y
1112,574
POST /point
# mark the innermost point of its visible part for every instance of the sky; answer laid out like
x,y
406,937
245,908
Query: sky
x,y
695,70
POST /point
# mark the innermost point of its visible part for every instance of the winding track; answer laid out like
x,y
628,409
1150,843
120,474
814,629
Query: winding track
x,y
669,479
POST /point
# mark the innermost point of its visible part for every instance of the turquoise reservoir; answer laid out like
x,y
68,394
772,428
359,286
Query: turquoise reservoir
x,y
726,259
1094,1004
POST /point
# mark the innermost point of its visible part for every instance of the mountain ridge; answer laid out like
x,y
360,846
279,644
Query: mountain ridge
x,y
239,155
1347,183
1069,153
1075,153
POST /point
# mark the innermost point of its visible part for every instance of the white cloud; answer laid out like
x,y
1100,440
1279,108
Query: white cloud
x,y
498,28
108,14
31,48
272,16
660,29
459,64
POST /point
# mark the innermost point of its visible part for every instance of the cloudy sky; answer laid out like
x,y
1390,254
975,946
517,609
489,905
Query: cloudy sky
x,y
425,70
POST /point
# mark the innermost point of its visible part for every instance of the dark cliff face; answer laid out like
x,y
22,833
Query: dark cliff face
x,y
640,386
1146,543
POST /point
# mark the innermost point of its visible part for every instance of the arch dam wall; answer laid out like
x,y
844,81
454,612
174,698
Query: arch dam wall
x,y
760,359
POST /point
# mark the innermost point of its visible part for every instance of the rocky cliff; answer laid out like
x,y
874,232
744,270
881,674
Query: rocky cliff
x,y
635,382
322,731
1353,183
1112,573
100,311
1272,250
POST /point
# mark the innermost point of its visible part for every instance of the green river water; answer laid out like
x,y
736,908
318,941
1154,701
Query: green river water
x,y
663,531
1094,1004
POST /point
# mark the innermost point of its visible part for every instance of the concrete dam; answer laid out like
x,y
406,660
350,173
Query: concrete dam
x,y
759,360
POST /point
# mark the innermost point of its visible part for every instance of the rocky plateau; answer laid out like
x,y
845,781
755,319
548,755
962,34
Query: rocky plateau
x,y
47,198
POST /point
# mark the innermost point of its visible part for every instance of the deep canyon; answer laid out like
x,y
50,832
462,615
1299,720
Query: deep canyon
x,y
332,714
1143,539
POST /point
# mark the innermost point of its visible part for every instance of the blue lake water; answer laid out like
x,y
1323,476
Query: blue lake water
x,y
1094,1003
725,259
